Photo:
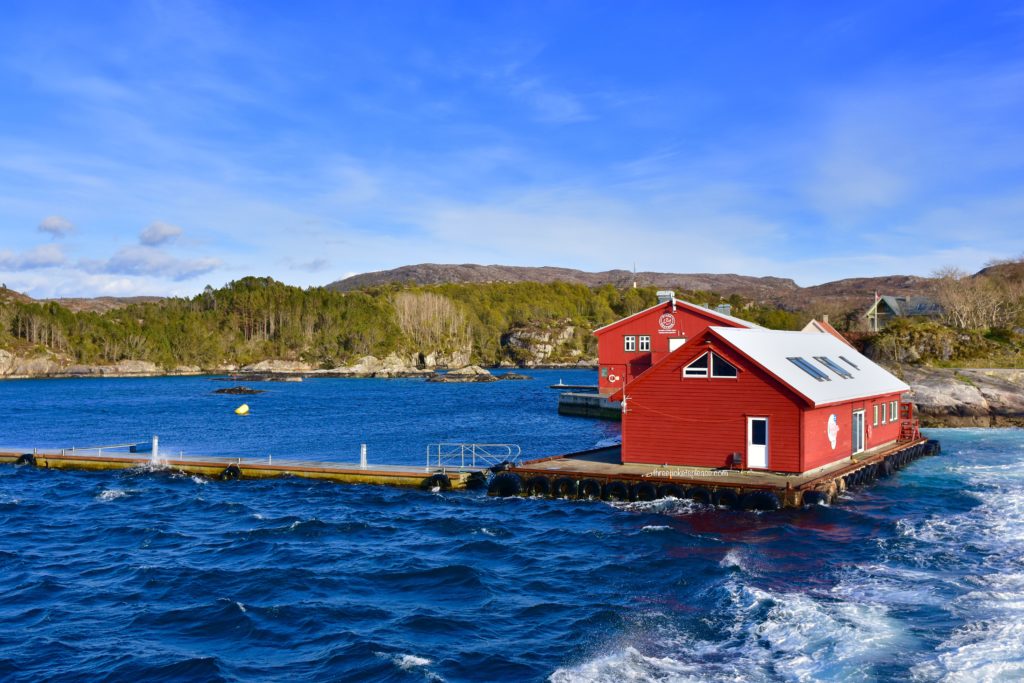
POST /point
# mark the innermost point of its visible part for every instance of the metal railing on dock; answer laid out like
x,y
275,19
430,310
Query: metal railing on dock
x,y
472,454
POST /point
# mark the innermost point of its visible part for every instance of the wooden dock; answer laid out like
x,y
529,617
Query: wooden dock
x,y
592,474
250,468
600,474
588,404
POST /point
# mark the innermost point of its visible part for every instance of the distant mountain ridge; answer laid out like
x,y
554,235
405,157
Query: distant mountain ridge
x,y
776,290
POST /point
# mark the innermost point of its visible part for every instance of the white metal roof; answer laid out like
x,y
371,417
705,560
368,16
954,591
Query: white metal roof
x,y
772,348
685,304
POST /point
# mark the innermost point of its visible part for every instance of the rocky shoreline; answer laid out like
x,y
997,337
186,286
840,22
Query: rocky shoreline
x,y
967,397
945,397
50,365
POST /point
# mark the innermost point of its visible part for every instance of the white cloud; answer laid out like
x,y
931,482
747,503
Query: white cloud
x,y
58,226
149,261
158,233
43,256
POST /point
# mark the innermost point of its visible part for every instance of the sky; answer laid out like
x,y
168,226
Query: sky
x,y
157,147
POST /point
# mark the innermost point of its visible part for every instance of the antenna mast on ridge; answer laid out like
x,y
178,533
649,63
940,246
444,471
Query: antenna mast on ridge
x,y
634,274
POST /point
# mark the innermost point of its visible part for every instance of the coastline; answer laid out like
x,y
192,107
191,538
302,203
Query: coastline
x,y
945,397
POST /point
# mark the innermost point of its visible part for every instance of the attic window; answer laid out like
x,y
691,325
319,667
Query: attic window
x,y
719,367
698,368
849,362
834,367
804,365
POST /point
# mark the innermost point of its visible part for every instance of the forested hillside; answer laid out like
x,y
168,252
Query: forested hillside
x,y
529,323
258,318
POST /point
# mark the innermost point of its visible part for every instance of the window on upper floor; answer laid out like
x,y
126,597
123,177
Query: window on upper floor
x,y
719,367
875,421
697,368
629,342
645,343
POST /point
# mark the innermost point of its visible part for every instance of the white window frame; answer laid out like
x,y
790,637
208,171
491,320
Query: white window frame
x,y
710,370
893,410
645,342
855,436
874,421
698,372
629,343
885,413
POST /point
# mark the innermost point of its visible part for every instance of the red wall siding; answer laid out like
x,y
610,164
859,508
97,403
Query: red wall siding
x,y
818,449
883,433
626,366
701,421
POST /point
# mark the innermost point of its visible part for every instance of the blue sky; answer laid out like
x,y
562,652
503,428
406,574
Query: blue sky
x,y
156,147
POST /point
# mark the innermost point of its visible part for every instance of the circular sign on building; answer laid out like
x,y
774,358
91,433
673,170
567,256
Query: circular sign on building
x,y
833,430
667,322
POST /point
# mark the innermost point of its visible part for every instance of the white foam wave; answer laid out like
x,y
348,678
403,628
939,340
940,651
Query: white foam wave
x,y
990,644
665,506
768,636
852,629
733,558
628,665
655,527
411,663
608,442
111,494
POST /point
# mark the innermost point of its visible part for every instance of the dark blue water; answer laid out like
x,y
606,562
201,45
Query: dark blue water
x,y
150,576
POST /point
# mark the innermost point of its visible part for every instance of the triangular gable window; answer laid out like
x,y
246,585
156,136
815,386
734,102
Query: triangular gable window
x,y
719,367
698,368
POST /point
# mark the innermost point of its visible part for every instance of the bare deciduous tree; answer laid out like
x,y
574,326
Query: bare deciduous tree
x,y
432,321
977,301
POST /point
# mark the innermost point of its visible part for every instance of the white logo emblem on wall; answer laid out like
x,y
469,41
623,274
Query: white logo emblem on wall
x,y
612,379
667,322
833,430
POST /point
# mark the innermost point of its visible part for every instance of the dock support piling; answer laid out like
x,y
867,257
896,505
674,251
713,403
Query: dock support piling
x,y
362,456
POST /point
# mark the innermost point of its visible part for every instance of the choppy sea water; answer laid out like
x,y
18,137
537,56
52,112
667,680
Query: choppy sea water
x,y
143,575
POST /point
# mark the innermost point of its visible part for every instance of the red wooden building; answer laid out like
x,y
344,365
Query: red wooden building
x,y
760,399
630,346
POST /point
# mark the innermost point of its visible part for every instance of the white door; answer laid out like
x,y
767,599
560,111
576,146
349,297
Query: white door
x,y
675,342
858,431
757,442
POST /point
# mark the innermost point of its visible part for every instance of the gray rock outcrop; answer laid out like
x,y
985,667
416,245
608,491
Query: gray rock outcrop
x,y
277,366
470,373
947,397
534,346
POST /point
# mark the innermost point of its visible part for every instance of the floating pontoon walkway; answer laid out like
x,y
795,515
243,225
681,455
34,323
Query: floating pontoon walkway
x,y
593,474
460,477
600,474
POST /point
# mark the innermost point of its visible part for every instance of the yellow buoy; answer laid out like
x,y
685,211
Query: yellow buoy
x,y
242,409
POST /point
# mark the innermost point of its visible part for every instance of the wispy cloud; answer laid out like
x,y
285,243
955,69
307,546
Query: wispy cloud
x,y
142,260
158,233
57,226
43,256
